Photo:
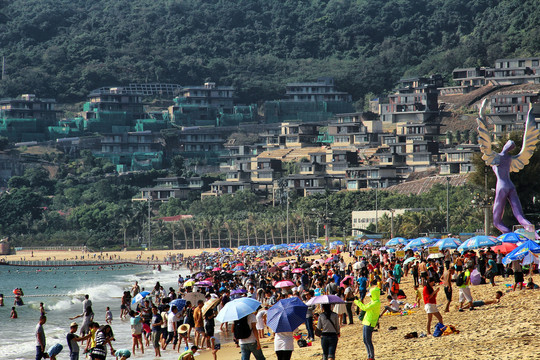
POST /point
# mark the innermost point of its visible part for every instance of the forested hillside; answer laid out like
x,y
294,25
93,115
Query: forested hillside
x,y
64,48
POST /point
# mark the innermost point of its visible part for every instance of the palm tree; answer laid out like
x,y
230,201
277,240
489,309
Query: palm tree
x,y
184,228
207,223
125,224
252,219
218,224
228,224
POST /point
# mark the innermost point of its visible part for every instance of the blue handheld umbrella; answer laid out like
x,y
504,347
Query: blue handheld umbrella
x,y
286,315
179,303
140,296
237,309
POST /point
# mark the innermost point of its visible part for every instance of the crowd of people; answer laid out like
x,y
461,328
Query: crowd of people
x,y
158,319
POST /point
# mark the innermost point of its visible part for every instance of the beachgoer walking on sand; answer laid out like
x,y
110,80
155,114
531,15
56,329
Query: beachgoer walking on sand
x,y
251,344
464,290
371,317
40,338
447,282
329,325
430,301
518,274
199,324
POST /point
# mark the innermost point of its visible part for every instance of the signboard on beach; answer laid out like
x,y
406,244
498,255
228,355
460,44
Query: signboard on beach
x,y
358,253
400,254
433,250
333,251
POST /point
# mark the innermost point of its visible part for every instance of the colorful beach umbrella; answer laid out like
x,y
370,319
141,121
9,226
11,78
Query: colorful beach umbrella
x,y
297,271
478,242
286,315
419,242
189,283
237,309
203,284
505,247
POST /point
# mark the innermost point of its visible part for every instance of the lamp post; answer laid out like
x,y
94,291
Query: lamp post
x,y
149,210
448,204
377,208
484,201
325,217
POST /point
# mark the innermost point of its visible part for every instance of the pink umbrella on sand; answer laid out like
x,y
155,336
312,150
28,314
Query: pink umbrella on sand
x,y
284,284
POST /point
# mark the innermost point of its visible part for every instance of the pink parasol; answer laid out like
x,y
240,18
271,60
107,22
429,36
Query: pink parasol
x,y
348,277
297,271
284,284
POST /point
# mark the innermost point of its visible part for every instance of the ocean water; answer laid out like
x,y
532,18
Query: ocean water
x,y
62,290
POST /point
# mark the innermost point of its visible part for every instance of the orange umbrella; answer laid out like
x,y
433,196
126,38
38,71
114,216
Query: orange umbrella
x,y
505,247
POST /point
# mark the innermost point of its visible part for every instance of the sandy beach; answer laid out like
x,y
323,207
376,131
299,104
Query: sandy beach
x,y
501,331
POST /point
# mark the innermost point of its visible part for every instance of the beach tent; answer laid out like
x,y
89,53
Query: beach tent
x,y
526,252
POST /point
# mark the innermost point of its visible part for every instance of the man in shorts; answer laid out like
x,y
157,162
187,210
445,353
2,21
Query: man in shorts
x,y
199,324
465,291
518,274
447,282
157,321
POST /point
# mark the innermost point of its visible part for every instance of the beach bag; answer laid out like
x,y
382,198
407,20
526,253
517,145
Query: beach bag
x,y
476,277
439,329
450,329
241,328
460,280
302,343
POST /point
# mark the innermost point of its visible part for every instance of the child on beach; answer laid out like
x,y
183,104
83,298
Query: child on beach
x,y
13,314
393,305
418,296
261,321
189,354
122,354
54,350
108,316
136,331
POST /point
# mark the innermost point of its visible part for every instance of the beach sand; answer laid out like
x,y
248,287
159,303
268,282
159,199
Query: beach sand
x,y
501,331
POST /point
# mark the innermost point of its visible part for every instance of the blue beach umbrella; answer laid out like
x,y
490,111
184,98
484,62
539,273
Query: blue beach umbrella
x,y
512,237
226,250
448,243
478,242
418,242
140,296
523,252
286,315
179,303
337,243
237,309
397,241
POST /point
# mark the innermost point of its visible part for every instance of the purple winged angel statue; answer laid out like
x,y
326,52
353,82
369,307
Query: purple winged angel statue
x,y
503,163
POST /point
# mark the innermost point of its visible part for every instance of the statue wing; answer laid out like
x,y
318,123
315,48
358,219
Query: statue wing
x,y
484,139
530,139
